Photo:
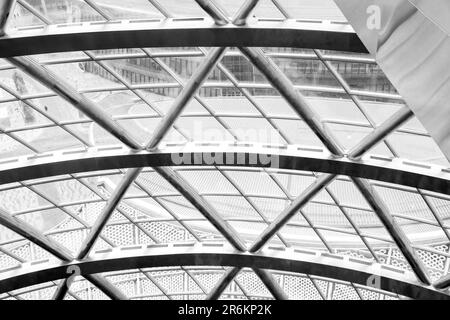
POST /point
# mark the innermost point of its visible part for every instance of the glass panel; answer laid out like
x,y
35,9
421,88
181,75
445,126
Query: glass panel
x,y
155,184
418,148
208,181
224,104
66,191
302,237
52,57
21,17
21,83
364,77
131,9
256,130
349,136
298,132
326,215
179,207
347,194
22,199
252,183
203,129
266,9
57,108
313,9
337,109
85,76
49,139
67,11
304,72
269,207
231,207
138,71
294,183
46,220
243,70
5,97
17,114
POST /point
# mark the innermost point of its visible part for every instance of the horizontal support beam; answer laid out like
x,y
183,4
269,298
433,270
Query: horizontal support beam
x,y
306,262
201,32
398,171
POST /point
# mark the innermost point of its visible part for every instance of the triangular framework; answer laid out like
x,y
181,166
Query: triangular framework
x,y
288,91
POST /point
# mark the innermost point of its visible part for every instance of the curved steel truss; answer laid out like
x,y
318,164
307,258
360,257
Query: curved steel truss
x,y
168,159
248,155
212,254
177,33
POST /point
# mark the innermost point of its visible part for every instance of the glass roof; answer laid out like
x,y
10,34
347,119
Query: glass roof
x,y
236,102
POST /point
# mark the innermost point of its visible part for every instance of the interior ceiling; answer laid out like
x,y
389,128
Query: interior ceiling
x,y
346,183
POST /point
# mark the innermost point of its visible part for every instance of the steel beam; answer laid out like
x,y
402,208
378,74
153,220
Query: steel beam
x,y
240,18
218,16
291,210
443,283
107,211
97,228
376,136
29,233
203,206
61,290
397,234
5,10
301,106
373,138
223,283
317,264
64,90
271,284
174,33
397,171
189,90
68,93
411,44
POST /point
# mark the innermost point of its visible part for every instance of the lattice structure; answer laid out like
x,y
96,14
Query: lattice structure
x,y
58,108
